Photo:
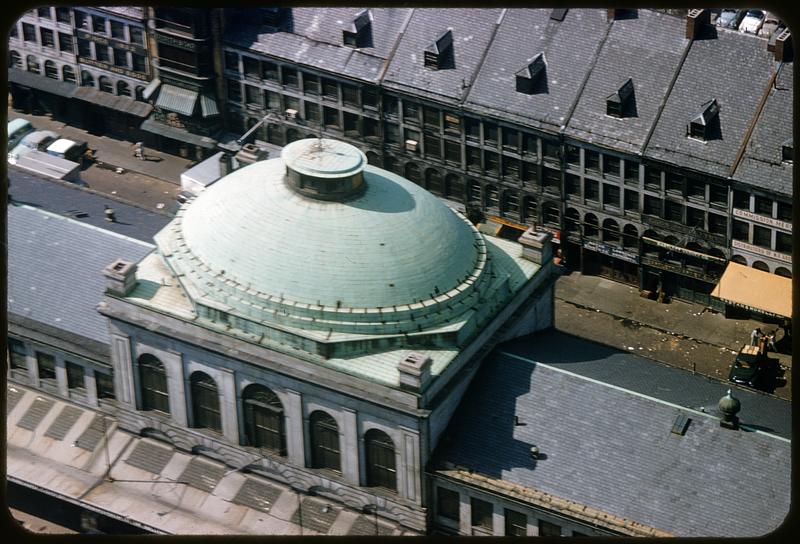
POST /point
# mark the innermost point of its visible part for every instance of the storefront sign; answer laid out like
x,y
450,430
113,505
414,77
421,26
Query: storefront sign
x,y
762,251
612,251
683,250
117,44
763,219
113,69
678,269
175,42
678,227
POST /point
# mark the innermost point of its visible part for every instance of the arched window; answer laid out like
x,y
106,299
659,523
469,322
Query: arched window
x,y
87,79
412,172
610,231
738,259
453,186
33,64
153,378
785,272
324,442
123,89
572,219
205,402
379,450
16,60
105,84
758,265
50,69
630,236
264,421
590,226
433,181
68,74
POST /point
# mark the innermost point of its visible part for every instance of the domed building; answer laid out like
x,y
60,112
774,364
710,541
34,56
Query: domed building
x,y
316,320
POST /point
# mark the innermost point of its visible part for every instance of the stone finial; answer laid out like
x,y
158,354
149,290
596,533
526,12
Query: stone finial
x,y
537,246
120,277
729,406
414,371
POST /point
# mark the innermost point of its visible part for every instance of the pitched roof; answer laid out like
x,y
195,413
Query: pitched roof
x,y
55,269
612,450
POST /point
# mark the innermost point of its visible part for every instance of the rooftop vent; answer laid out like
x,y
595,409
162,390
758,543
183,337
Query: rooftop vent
x,y
696,20
558,14
532,79
680,425
358,34
787,150
623,102
440,52
705,125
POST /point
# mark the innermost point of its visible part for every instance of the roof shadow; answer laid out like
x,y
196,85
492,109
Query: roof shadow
x,y
382,196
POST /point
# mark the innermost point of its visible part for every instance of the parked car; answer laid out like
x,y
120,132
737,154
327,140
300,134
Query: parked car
x,y
754,369
67,149
17,129
770,25
34,141
730,18
752,22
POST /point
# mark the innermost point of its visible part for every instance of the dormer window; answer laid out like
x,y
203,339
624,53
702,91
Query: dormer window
x,y
358,33
532,79
621,103
787,150
440,51
705,125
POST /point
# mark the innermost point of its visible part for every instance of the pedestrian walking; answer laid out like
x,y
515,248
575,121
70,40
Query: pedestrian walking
x,y
138,150
771,342
755,336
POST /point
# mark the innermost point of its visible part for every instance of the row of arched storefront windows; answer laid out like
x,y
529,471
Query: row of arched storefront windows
x,y
265,422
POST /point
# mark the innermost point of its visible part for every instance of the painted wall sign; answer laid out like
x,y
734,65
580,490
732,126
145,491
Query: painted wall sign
x,y
762,251
763,219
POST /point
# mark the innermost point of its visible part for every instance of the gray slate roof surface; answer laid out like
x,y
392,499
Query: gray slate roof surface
x,y
472,30
569,48
761,165
732,68
646,49
316,40
55,269
612,450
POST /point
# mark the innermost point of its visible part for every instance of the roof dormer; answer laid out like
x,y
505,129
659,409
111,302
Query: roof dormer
x,y
623,102
705,125
437,55
359,32
532,78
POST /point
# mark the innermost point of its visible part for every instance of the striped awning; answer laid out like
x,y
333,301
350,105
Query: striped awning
x,y
208,106
176,99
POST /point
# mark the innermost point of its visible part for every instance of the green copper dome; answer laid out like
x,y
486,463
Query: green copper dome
x,y
387,252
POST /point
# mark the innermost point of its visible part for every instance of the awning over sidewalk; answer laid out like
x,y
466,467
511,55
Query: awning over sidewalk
x,y
149,125
176,99
753,289
114,102
41,83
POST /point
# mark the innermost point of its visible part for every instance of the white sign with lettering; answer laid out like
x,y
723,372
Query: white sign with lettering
x,y
762,251
763,219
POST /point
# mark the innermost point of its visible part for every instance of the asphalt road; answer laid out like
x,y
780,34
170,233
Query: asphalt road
x,y
648,377
66,199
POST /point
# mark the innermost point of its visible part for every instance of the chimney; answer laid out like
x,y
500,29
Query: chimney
x,y
729,406
120,277
695,20
783,46
537,246
414,371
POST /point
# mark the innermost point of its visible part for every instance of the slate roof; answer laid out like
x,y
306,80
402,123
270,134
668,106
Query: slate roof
x,y
569,48
55,269
646,49
761,165
315,40
612,450
732,68
471,30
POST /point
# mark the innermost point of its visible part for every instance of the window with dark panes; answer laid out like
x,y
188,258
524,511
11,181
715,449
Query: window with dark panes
x,y
489,133
205,402
472,128
65,43
491,161
350,95
81,20
231,61
47,366
412,135
572,185
610,166
481,514
673,184
784,211
741,231
529,209
28,32
551,180
252,95
550,150
573,155
325,451
251,67
695,217
591,190
762,237
652,178
390,105
610,195
269,71
369,127
591,160
75,376
120,57
264,420
695,189
492,196
101,53
433,146
741,199
631,201
291,103
549,529
452,123
17,354
516,523
234,90
380,457
275,134
673,211
153,382
652,205
330,117
510,167
62,15
48,39
289,77
33,64
350,121
369,97
138,63
510,202
473,157
410,112
530,172
391,133
104,385
448,504
783,242
98,24
474,191
718,195
16,60
763,206
452,151
330,89
43,13
550,214
717,224
50,69
137,36
530,144
631,172
431,117
510,139
591,228
312,112
117,30
273,101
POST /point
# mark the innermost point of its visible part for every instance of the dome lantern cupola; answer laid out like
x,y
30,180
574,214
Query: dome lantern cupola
x,y
324,169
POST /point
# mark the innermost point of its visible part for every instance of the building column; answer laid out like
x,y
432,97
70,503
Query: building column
x,y
409,445
33,367
294,429
498,520
228,404
176,387
90,384
464,514
349,441
122,364
61,376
